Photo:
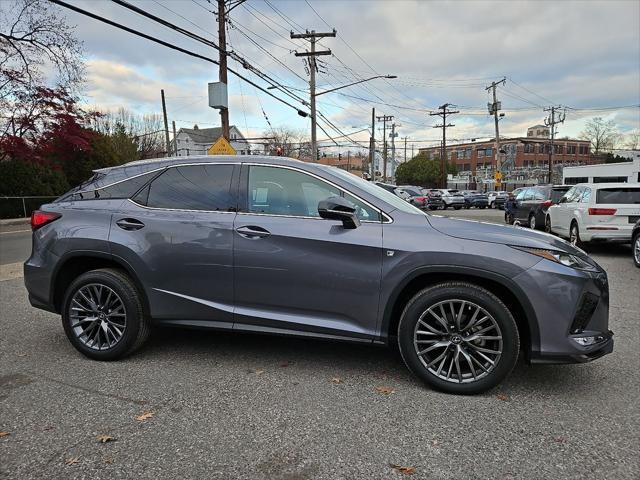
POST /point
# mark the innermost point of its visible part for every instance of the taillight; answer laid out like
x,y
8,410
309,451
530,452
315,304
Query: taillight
x,y
420,199
602,211
40,218
547,204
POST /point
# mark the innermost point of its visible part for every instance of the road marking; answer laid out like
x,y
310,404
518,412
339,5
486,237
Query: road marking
x,y
11,271
15,231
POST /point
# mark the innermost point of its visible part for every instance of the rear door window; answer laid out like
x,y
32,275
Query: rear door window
x,y
618,195
125,189
191,187
557,194
539,194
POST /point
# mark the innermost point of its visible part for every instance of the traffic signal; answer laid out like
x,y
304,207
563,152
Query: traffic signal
x,y
318,154
339,157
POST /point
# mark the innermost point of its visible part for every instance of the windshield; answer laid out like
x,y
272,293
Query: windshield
x,y
411,191
374,190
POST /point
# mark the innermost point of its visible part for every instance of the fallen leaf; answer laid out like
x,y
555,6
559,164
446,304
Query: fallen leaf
x,y
21,355
48,428
4,434
105,439
72,461
504,397
435,443
560,439
336,380
385,390
285,364
145,416
258,372
403,470
108,460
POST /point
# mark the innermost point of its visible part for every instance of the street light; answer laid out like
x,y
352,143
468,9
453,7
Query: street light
x,y
314,145
355,83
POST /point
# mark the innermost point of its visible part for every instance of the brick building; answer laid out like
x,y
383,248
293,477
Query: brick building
x,y
531,151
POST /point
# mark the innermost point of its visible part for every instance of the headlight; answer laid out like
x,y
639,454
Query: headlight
x,y
563,258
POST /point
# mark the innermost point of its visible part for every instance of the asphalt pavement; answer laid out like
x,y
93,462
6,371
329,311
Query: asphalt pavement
x,y
195,404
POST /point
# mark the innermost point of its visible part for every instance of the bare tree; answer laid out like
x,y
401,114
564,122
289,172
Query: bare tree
x,y
287,141
35,41
602,134
632,140
145,130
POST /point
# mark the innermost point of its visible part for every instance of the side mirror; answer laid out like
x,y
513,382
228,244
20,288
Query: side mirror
x,y
338,208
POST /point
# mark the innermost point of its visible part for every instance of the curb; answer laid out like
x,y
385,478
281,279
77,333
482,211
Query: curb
x,y
15,221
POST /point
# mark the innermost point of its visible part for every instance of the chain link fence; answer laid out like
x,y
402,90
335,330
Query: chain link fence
x,y
21,207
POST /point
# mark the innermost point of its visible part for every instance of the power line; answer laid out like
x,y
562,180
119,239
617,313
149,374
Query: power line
x,y
171,46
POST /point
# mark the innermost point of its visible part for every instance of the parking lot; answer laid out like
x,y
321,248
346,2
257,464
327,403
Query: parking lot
x,y
210,405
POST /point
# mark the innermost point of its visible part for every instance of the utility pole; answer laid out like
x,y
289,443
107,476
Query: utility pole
x,y
493,110
393,148
175,138
312,36
412,146
552,121
372,145
405,148
166,126
222,70
444,111
384,119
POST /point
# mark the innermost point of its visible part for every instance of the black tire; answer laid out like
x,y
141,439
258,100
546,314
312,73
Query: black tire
x,y
483,207
576,242
635,249
457,208
547,224
532,221
468,292
444,207
467,207
137,327
492,205
508,218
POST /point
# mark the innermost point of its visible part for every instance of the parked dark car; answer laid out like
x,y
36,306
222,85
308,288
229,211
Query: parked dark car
x,y
473,198
510,206
434,198
531,204
273,245
635,243
413,195
387,186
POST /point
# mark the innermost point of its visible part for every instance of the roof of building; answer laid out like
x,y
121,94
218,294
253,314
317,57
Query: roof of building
x,y
504,140
207,135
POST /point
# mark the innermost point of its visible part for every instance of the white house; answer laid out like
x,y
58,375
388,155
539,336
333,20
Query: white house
x,y
196,141
627,172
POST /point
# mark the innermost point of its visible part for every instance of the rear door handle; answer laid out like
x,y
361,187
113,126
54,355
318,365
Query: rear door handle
x,y
252,231
130,224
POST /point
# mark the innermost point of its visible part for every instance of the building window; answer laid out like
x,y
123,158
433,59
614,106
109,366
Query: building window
x,y
583,150
488,152
528,148
571,149
480,153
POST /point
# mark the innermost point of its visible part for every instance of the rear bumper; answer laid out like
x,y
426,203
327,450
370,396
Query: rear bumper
x,y
38,280
591,233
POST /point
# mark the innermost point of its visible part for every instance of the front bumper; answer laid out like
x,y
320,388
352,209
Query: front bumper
x,y
572,311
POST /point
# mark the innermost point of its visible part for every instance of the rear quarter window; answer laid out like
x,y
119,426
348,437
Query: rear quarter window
x,y
618,195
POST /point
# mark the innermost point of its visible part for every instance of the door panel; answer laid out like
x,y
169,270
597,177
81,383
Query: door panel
x,y
308,274
177,235
294,270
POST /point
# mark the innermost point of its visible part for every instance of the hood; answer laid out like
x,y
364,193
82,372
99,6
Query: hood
x,y
502,234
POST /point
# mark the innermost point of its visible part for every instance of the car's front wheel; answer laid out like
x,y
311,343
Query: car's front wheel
x,y
547,224
635,245
574,235
458,337
532,221
102,315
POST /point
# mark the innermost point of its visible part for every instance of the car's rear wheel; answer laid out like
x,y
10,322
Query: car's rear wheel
x,y
492,205
635,245
444,207
458,337
508,218
102,315
574,234
547,224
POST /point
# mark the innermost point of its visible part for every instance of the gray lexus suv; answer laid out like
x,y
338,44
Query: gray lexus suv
x,y
275,245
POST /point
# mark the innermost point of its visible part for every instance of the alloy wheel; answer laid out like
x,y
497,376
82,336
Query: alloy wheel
x,y
458,341
636,249
574,236
532,222
98,316
547,224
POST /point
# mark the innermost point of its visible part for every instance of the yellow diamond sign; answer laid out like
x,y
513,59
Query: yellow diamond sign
x,y
221,147
498,176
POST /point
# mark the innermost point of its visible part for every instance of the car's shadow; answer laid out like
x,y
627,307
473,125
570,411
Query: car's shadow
x,y
326,359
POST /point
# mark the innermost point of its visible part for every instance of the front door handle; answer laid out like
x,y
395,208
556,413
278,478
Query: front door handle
x,y
252,232
130,224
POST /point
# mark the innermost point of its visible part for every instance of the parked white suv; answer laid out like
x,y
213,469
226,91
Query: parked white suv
x,y
596,212
452,198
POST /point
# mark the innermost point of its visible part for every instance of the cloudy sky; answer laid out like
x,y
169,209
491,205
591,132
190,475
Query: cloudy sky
x,y
584,55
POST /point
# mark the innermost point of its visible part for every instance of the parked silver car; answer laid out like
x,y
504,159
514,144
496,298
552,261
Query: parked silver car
x,y
452,198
